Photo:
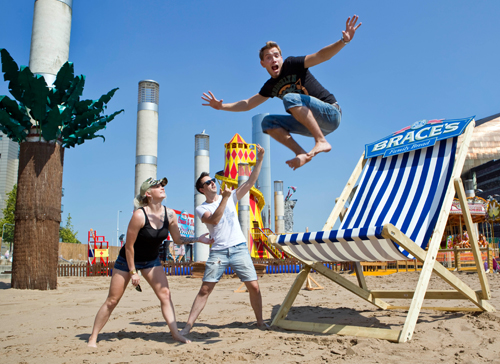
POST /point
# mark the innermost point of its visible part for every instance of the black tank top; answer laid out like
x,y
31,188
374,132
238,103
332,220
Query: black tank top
x,y
149,239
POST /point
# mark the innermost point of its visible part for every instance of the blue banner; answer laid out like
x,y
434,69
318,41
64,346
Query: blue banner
x,y
421,134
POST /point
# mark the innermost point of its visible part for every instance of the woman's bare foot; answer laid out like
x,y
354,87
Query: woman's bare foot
x,y
186,330
181,338
320,147
92,343
299,160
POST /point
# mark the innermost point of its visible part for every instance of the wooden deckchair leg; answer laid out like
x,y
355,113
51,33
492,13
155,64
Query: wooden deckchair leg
x,y
359,275
239,290
485,287
309,283
291,295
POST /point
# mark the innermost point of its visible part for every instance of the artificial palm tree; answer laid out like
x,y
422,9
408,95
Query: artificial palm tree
x,y
44,120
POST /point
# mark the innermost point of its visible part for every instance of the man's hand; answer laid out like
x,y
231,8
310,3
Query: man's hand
x,y
350,29
226,192
260,152
212,101
205,240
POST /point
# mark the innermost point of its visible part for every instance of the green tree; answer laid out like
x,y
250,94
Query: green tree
x,y
8,215
67,234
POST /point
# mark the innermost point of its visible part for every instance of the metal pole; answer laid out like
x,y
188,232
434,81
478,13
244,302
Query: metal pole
x,y
244,202
264,180
279,208
201,164
117,226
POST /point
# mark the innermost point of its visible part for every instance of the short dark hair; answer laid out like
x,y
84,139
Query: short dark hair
x,y
198,184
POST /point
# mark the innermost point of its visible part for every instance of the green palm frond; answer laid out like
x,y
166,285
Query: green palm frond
x,y
57,111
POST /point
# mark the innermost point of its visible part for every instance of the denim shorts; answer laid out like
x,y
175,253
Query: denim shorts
x,y
327,116
121,264
237,257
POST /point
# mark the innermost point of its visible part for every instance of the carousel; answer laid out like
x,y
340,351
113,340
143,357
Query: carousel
x,y
455,252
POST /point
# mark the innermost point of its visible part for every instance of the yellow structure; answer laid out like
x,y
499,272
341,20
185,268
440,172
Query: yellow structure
x,y
238,151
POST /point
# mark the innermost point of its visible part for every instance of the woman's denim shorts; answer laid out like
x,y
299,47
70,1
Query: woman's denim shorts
x,y
121,264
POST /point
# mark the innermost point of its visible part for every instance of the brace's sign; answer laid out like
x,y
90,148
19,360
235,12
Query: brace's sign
x,y
421,134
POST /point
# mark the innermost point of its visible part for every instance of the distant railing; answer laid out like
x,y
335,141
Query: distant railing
x,y
453,259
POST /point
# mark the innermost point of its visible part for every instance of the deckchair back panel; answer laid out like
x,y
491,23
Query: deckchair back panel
x,y
406,190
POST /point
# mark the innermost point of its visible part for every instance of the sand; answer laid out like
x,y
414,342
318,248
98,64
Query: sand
x,y
53,326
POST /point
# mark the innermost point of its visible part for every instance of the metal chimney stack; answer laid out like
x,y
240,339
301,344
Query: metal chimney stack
x,y
201,164
50,37
147,132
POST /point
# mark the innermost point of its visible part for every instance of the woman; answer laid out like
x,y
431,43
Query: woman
x,y
147,229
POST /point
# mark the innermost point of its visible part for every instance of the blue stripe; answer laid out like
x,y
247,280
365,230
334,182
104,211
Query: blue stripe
x,y
379,198
406,192
433,221
432,192
418,193
293,239
370,191
333,236
392,196
361,188
378,232
305,238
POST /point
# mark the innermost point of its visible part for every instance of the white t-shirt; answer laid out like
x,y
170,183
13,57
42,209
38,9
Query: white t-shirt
x,y
227,232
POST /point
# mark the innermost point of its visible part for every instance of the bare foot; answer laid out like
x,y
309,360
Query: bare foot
x,y
181,338
263,326
186,330
299,160
320,147
92,344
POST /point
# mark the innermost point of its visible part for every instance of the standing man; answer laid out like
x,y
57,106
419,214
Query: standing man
x,y
314,110
229,248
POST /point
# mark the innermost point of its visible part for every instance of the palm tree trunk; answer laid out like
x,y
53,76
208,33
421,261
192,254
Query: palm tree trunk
x,y
38,216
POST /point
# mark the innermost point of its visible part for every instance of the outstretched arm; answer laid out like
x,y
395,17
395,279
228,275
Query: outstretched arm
x,y
243,105
329,51
173,227
245,187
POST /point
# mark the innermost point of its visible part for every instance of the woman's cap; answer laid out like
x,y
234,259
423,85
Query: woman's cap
x,y
150,182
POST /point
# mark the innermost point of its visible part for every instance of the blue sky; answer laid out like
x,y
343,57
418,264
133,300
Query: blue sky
x,y
410,60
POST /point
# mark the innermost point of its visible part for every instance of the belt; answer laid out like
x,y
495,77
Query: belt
x,y
337,106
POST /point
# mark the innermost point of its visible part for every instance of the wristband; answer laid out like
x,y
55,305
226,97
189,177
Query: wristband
x,y
132,272
343,41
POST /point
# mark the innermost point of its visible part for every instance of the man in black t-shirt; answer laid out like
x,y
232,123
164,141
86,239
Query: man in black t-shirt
x,y
313,110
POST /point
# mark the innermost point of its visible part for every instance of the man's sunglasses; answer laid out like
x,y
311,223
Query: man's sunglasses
x,y
209,182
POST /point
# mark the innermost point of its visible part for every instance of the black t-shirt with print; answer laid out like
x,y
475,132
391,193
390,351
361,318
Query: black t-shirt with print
x,y
296,79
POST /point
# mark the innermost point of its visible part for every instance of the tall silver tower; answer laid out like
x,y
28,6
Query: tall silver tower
x,y
146,151
264,180
50,37
201,164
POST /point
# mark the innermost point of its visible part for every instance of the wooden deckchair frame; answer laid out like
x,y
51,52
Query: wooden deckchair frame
x,y
460,291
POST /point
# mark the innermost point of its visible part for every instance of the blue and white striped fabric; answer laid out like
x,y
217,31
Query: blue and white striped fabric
x,y
406,190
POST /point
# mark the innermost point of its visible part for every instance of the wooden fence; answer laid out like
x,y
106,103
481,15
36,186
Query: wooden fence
x,y
453,259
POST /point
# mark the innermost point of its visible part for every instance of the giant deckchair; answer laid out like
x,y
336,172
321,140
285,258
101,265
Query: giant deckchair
x,y
403,198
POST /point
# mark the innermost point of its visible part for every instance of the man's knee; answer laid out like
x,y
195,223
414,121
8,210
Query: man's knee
x,y
292,100
206,289
253,286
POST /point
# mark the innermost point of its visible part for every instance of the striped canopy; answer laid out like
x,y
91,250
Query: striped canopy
x,y
406,190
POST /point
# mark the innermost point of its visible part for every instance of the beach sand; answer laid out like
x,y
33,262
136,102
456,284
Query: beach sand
x,y
53,326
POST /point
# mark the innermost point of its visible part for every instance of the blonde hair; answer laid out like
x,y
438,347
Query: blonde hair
x,y
268,45
140,201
